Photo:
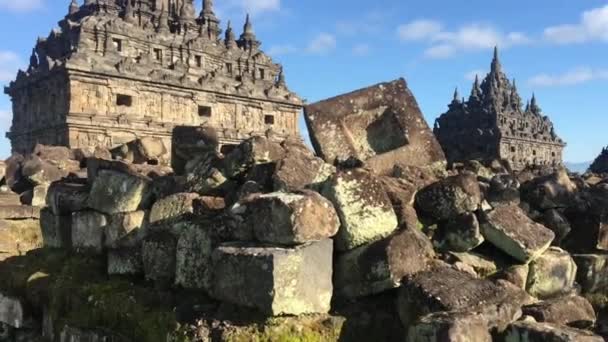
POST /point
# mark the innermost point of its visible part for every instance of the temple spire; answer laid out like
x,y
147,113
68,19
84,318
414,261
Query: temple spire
x,y
74,7
230,39
476,91
248,39
163,20
208,7
496,66
129,13
456,95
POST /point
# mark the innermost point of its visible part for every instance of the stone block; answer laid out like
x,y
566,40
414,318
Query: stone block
x,y
447,289
551,274
12,311
275,281
365,210
402,195
291,218
36,196
17,237
7,197
550,192
592,272
509,229
159,258
526,331
64,198
116,192
125,229
461,234
254,151
173,207
381,265
39,171
450,327
381,125
125,261
88,230
195,244
568,310
300,169
56,230
18,212
450,197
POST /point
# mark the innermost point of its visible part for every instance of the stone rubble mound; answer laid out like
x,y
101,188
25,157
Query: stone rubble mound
x,y
269,242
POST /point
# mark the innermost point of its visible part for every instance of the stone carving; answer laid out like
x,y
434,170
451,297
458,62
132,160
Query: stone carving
x,y
493,125
117,70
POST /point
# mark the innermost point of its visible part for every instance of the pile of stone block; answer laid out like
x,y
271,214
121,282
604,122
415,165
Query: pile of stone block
x,y
360,241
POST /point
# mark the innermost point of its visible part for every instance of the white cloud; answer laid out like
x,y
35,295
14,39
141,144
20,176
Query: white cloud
x,y
254,7
470,76
593,25
21,5
419,30
572,77
361,50
470,37
322,44
278,50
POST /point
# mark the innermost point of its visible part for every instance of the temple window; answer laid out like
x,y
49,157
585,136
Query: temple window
x,y
198,60
269,119
124,100
158,54
117,44
204,111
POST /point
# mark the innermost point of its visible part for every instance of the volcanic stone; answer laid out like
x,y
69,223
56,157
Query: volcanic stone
x,y
173,207
56,230
449,198
276,281
551,274
450,327
509,229
568,310
88,230
193,255
116,192
365,211
460,234
524,331
381,265
592,272
64,198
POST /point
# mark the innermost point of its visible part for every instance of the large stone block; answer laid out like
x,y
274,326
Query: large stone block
x,y
592,272
56,230
116,192
125,261
526,331
509,229
64,198
365,210
381,125
88,230
382,265
125,229
447,289
567,310
550,192
195,244
12,311
254,151
450,327
290,218
172,207
461,234
19,236
276,281
159,257
551,274
450,197
39,171
300,169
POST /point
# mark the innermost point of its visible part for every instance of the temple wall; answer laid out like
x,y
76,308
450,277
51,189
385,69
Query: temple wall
x,y
521,153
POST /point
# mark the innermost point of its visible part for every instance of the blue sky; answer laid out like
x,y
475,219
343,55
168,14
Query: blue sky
x,y
555,48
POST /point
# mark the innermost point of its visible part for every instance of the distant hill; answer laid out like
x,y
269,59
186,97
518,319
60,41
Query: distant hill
x,y
578,167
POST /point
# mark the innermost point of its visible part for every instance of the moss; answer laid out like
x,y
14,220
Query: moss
x,y
300,329
15,272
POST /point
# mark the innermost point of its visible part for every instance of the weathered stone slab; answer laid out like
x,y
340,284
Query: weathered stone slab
x,y
116,192
509,229
39,171
481,264
172,207
366,213
159,258
450,327
550,192
19,236
446,289
276,281
291,218
150,150
193,255
88,230
592,274
449,198
125,261
516,275
56,230
525,331
382,265
254,151
568,310
12,311
16,212
64,198
551,274
381,125
300,169
460,234
125,229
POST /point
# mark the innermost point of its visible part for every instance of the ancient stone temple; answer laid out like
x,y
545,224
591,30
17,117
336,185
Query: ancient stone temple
x,y
600,164
116,70
492,124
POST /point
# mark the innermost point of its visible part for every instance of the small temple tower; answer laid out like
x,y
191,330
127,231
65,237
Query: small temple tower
x,y
492,124
117,70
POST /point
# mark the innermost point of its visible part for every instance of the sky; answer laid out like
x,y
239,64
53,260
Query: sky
x,y
557,49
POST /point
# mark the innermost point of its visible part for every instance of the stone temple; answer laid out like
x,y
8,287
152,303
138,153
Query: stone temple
x,y
117,70
492,124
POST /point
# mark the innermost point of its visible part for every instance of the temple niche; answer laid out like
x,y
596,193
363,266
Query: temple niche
x,y
493,124
116,70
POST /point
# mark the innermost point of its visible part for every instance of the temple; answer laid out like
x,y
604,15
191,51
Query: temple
x,y
493,124
116,70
